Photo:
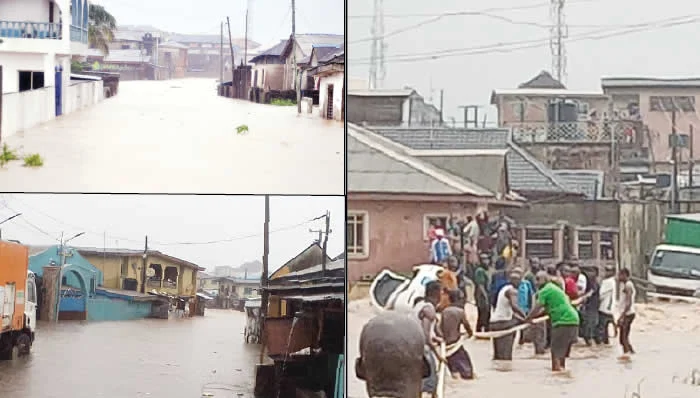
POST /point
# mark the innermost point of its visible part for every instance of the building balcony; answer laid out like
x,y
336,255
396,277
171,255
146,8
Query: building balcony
x,y
572,132
78,34
30,30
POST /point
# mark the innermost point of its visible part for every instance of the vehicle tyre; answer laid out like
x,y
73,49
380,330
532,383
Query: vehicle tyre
x,y
14,353
24,344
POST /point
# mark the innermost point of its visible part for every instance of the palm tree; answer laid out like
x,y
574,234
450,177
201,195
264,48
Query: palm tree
x,y
101,28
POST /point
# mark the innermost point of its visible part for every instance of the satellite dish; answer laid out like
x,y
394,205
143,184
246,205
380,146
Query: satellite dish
x,y
150,272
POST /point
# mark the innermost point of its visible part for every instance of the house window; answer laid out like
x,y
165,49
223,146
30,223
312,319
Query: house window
x,y
668,103
519,110
607,246
583,108
358,234
125,266
539,243
439,220
248,291
29,80
585,245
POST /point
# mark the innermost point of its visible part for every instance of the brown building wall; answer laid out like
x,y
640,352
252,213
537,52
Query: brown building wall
x,y
584,213
374,110
535,108
270,76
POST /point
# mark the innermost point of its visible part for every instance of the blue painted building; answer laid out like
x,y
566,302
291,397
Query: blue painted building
x,y
82,294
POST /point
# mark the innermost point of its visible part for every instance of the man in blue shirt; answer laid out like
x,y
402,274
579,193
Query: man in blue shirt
x,y
440,249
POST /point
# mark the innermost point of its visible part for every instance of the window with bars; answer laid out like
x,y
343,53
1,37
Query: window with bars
x,y
357,234
434,219
585,245
668,103
539,243
607,246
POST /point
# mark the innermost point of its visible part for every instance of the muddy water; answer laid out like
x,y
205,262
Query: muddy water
x,y
145,358
178,136
665,335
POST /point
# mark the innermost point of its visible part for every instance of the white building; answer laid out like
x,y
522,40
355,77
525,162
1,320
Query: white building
x,y
37,40
329,76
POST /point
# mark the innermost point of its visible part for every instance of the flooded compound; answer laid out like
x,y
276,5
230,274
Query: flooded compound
x,y
190,357
665,335
178,136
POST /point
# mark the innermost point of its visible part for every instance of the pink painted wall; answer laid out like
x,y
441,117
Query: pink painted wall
x,y
395,234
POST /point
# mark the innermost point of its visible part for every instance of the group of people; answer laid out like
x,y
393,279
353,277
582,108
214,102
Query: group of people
x,y
577,305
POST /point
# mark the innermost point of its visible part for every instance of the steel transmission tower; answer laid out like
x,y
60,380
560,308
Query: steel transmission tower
x,y
377,70
559,32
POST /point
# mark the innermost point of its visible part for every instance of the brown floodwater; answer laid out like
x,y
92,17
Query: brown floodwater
x,y
178,136
666,337
145,358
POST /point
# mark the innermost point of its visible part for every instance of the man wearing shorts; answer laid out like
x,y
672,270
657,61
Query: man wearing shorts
x,y
563,315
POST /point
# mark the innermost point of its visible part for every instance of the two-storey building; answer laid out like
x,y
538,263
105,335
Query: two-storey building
x,y
37,40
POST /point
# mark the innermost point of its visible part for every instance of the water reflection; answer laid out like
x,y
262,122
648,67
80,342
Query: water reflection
x,y
145,358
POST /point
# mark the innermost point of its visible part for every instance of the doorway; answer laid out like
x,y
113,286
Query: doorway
x,y
329,103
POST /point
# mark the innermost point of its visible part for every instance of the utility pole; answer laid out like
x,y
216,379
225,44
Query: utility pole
x,y
294,56
320,235
221,57
325,243
244,61
691,160
442,112
674,157
233,61
613,123
467,121
144,262
263,277
376,65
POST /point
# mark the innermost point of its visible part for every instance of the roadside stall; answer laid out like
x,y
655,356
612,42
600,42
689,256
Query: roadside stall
x,y
199,303
304,334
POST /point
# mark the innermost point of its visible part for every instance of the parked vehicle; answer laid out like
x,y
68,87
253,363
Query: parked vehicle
x,y
674,266
251,334
18,299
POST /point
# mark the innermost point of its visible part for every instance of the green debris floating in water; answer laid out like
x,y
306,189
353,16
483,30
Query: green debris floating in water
x,y
242,129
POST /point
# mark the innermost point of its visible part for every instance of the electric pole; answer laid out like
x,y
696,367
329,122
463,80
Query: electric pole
x,y
144,261
294,57
674,158
559,31
325,243
263,277
221,57
245,54
233,59
320,235
691,160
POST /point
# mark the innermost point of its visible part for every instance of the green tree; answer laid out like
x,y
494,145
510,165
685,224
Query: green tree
x,y
101,28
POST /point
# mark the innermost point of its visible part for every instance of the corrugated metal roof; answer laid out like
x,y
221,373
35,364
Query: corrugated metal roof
x,y
525,173
173,44
274,51
588,182
548,92
306,42
317,297
121,56
374,167
382,93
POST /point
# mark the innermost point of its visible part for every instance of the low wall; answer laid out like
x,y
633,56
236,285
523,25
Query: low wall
x,y
101,308
28,109
22,111
80,95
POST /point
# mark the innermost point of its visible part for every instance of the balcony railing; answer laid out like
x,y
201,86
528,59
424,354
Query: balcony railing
x,y
78,34
30,30
567,132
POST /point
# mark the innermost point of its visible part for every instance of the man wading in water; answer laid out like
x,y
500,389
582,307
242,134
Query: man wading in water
x,y
453,318
427,315
564,317
627,313
503,314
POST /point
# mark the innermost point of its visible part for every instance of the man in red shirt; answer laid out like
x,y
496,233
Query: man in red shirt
x,y
570,286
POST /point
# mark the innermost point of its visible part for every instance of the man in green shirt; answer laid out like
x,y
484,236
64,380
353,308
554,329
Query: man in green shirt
x,y
563,315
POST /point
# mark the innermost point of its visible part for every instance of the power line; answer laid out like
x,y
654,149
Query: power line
x,y
532,43
189,243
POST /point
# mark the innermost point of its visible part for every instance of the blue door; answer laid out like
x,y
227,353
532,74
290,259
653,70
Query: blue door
x,y
59,90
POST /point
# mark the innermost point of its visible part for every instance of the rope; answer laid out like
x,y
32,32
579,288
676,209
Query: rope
x,y
440,389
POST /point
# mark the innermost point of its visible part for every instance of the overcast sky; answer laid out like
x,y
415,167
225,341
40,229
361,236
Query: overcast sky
x,y
268,20
127,219
469,79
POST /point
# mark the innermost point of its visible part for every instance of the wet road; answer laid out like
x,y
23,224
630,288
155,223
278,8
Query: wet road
x,y
178,136
147,358
666,337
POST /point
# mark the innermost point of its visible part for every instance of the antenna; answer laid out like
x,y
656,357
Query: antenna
x,y
377,71
558,32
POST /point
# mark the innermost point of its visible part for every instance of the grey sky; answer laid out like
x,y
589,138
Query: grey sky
x,y
127,219
469,79
269,20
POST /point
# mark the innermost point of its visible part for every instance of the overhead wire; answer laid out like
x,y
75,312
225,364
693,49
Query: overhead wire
x,y
507,47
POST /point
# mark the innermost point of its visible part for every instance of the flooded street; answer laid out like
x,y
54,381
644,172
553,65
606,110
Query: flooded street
x,y
178,136
145,358
665,335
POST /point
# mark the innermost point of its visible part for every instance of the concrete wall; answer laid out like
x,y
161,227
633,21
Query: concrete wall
x,y
585,213
26,10
535,108
641,228
21,111
273,78
37,11
397,237
83,94
375,110
337,80
103,308
13,63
